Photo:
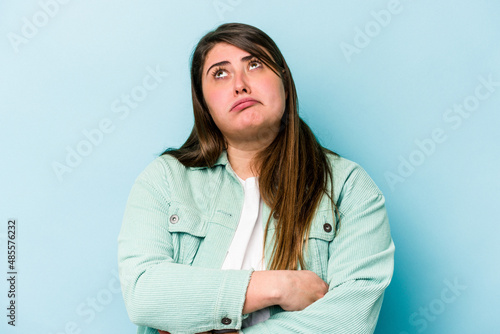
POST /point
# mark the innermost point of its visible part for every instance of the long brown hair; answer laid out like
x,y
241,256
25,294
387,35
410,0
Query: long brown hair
x,y
293,170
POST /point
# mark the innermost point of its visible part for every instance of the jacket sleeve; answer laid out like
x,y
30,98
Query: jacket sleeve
x,y
360,267
159,293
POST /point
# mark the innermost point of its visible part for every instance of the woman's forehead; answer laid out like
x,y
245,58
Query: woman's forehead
x,y
222,50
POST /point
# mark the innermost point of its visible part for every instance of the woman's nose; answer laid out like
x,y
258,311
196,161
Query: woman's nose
x,y
241,83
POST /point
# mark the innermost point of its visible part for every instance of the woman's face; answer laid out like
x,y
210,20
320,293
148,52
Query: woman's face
x,y
246,99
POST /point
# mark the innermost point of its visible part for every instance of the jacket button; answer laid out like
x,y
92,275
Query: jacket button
x,y
276,215
327,227
174,219
226,321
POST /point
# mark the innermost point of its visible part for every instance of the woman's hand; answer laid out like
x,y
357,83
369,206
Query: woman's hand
x,y
300,289
293,290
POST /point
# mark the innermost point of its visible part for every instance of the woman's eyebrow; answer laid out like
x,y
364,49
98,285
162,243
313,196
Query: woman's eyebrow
x,y
225,62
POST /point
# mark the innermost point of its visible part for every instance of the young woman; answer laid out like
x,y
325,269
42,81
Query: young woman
x,y
252,226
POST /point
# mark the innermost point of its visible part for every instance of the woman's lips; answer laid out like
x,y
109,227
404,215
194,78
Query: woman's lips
x,y
243,105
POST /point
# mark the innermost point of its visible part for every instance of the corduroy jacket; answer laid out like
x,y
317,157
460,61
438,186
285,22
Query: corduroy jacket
x,y
178,225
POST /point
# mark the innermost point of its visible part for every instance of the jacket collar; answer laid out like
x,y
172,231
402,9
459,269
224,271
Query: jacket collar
x,y
222,160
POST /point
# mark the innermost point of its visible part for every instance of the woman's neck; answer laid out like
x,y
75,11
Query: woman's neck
x,y
240,160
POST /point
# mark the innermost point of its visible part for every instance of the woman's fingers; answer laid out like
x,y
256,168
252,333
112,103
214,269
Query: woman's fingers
x,y
301,288
293,290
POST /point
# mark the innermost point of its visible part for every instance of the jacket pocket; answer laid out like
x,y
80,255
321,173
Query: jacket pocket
x,y
322,232
188,229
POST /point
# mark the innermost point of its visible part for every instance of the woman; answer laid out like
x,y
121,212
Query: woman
x,y
251,189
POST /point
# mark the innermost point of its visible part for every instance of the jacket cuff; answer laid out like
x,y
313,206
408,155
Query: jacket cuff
x,y
231,298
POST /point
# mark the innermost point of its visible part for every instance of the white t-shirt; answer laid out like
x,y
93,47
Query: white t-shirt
x,y
245,251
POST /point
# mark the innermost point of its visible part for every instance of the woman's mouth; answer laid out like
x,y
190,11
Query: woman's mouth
x,y
243,103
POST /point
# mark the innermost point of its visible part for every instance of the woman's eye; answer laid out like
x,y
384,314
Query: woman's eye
x,y
220,74
254,64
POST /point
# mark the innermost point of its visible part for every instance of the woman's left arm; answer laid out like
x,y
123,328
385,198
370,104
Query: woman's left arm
x,y
360,267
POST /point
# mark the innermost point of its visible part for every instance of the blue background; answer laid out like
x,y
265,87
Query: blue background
x,y
65,69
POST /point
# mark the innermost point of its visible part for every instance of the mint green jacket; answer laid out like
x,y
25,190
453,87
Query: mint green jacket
x,y
179,223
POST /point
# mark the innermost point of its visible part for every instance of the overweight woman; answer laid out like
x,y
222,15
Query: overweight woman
x,y
251,226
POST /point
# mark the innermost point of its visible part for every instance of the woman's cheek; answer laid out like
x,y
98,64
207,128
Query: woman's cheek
x,y
216,101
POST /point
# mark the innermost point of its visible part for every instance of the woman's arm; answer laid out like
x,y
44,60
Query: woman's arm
x,y
158,292
360,267
291,289
165,295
